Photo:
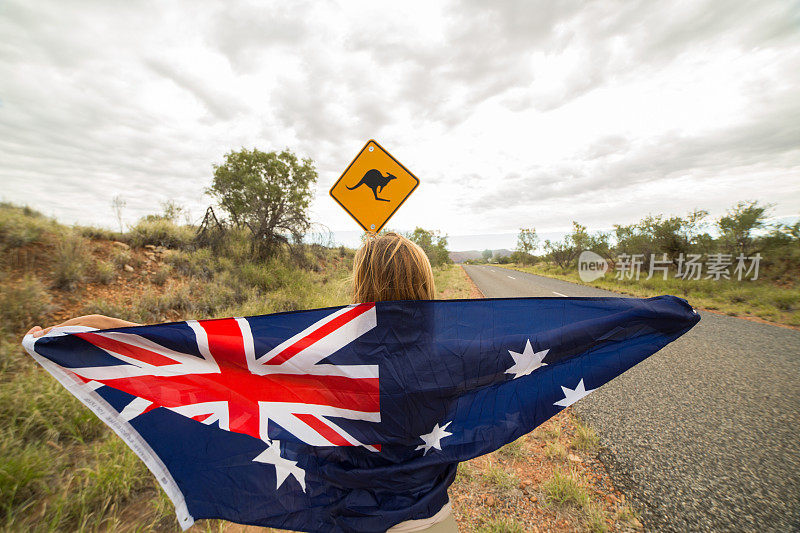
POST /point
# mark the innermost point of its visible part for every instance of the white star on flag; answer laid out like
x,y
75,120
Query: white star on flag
x,y
571,396
527,361
432,439
283,467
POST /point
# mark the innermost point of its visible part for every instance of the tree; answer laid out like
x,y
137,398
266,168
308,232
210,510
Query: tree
x,y
433,244
527,241
561,252
171,211
266,192
736,227
486,254
118,204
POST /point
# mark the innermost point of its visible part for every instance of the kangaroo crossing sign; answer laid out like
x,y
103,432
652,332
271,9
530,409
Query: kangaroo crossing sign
x,y
373,187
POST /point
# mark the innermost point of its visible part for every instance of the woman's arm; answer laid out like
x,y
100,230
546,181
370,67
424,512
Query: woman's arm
x,y
92,321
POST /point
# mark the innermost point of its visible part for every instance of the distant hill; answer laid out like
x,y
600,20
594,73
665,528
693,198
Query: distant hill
x,y
460,257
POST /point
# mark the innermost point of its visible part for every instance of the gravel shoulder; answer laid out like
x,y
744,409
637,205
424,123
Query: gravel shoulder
x,y
703,435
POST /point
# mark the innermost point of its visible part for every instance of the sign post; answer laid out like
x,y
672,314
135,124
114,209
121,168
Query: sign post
x,y
373,187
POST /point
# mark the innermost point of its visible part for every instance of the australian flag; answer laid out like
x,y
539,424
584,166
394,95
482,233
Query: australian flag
x,y
349,418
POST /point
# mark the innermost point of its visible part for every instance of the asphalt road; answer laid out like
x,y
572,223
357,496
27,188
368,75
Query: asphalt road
x,y
705,434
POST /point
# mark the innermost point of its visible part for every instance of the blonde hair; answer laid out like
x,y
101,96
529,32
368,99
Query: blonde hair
x,y
391,267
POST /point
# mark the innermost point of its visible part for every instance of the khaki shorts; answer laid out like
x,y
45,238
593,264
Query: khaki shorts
x,y
448,525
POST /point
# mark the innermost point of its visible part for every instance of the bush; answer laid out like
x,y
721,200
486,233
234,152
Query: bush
x,y
100,234
69,262
104,272
22,225
161,275
161,232
102,307
199,263
23,304
264,276
176,298
121,257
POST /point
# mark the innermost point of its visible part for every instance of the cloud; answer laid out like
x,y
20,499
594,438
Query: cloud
x,y
770,137
222,106
505,110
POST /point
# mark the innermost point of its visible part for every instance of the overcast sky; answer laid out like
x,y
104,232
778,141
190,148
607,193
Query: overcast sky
x,y
516,114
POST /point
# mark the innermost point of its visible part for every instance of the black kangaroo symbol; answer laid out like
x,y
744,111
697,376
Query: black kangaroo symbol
x,y
375,181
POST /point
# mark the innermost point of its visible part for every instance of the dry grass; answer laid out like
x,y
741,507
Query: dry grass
x,y
585,438
452,283
762,299
70,261
61,469
555,450
500,525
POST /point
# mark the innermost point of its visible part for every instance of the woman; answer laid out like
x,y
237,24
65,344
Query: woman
x,y
386,267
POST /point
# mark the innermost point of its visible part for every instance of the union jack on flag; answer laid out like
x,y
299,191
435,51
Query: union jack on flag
x,y
350,418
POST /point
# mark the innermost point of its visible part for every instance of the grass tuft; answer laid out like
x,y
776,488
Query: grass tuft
x,y
69,261
501,525
585,437
161,232
564,489
595,519
555,450
104,272
514,450
161,275
499,478
465,473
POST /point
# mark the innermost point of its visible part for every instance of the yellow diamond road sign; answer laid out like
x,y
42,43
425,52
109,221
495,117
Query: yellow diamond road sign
x,y
373,187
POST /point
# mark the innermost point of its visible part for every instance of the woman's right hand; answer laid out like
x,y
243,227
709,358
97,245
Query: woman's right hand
x,y
92,321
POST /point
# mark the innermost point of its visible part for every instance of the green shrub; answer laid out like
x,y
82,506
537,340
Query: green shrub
x,y
200,263
23,304
176,297
69,261
267,276
161,275
100,234
161,232
22,225
103,307
104,272
121,257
